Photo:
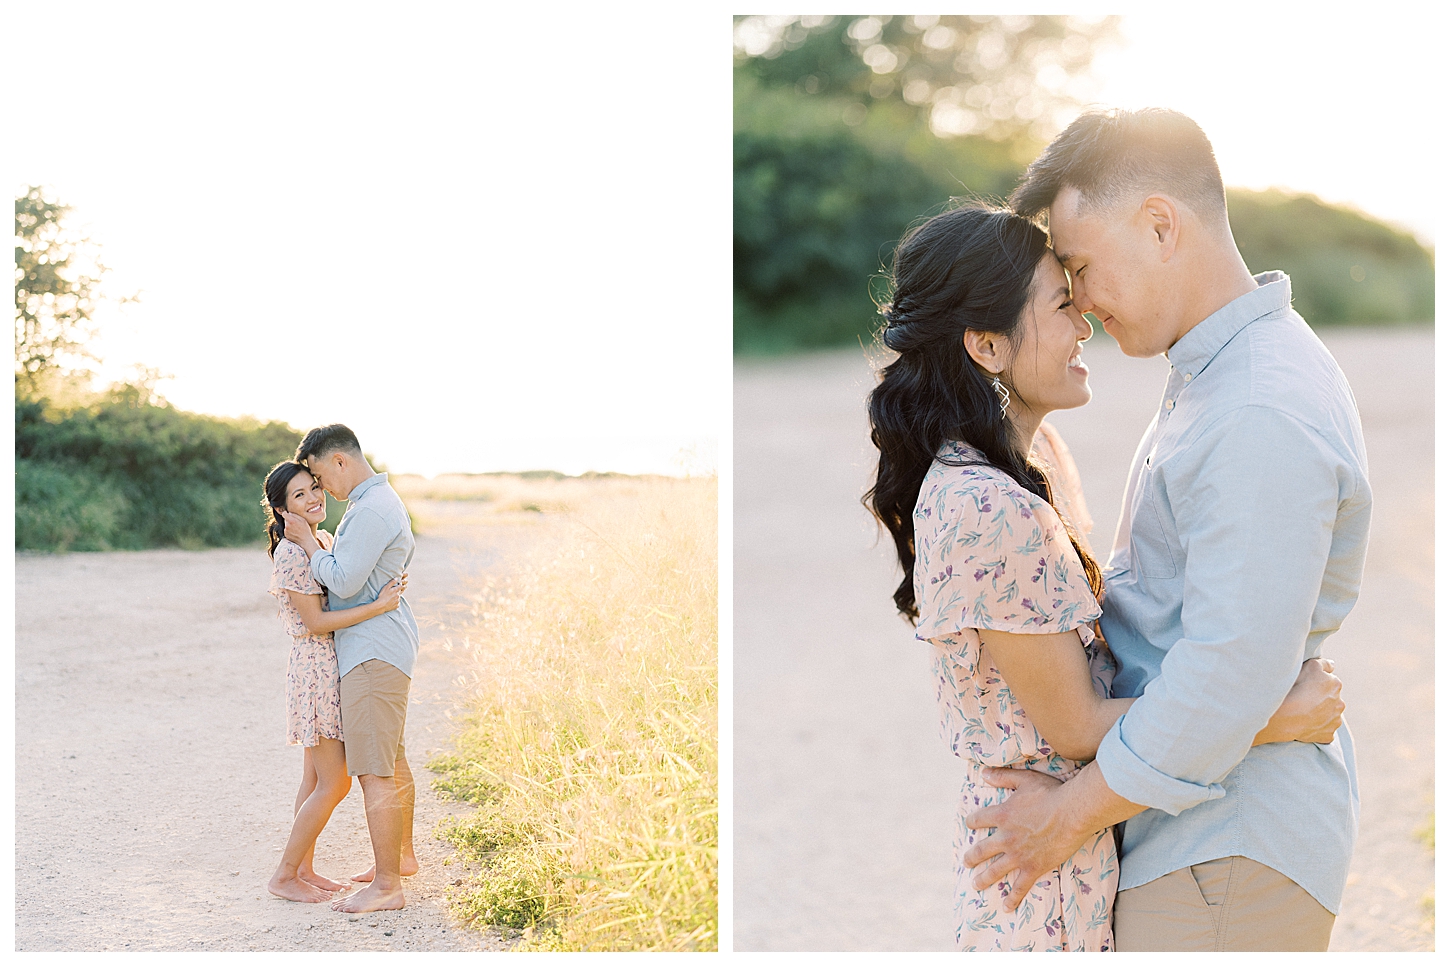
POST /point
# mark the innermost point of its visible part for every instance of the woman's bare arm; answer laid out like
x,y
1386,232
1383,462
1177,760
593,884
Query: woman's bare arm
x,y
320,622
1049,675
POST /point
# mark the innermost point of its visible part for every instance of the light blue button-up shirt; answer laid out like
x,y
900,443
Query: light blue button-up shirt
x,y
1239,551
373,545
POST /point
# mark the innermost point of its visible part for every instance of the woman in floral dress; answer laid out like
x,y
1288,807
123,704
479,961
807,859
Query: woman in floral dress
x,y
314,709
982,501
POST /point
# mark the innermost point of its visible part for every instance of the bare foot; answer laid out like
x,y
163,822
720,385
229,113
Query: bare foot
x,y
291,888
320,881
368,899
408,868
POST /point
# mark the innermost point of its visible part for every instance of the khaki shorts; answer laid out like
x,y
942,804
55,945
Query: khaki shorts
x,y
374,711
1232,903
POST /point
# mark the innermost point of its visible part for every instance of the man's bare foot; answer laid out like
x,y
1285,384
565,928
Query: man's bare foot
x,y
291,888
409,867
368,899
320,881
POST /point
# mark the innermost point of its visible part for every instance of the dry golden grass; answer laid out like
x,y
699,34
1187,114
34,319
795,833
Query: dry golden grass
x,y
591,747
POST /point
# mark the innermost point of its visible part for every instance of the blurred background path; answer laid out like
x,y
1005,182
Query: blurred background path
x,y
844,794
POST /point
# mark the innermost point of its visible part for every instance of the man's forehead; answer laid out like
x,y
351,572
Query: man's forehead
x,y
1064,220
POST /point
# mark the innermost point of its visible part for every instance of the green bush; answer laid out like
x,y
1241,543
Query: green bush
x,y
121,472
58,509
1345,266
820,204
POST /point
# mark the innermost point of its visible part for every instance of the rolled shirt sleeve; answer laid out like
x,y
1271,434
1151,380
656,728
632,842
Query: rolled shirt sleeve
x,y
1255,519
344,570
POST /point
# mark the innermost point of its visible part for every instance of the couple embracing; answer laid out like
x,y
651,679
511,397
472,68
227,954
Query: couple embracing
x,y
1155,754
354,644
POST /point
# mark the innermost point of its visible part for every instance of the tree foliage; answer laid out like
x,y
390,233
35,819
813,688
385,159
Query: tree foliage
x,y
123,472
58,288
819,205
1002,77
1345,266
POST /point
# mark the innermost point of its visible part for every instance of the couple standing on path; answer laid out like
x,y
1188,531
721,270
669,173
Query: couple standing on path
x,y
1178,694
355,644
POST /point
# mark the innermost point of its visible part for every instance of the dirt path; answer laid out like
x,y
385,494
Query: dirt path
x,y
153,789
844,794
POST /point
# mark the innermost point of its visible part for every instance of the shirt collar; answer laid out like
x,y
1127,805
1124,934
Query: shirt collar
x,y
1200,344
367,485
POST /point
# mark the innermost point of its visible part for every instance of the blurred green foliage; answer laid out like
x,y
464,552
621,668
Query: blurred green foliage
x,y
1346,267
829,172
819,205
123,471
1009,78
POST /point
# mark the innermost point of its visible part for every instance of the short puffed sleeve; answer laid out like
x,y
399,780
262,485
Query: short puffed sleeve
x,y
990,554
292,571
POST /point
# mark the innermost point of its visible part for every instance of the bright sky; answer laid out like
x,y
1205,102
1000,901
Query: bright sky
x,y
472,236
1342,103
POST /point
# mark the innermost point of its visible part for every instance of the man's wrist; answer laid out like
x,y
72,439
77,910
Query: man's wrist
x,y
1069,812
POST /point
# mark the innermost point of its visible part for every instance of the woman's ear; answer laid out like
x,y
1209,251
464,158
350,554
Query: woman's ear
x,y
987,349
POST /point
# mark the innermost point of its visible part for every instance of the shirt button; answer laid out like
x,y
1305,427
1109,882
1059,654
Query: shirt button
x,y
1168,405
1187,377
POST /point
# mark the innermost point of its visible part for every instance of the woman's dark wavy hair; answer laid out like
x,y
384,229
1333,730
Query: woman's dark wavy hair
x,y
274,489
970,267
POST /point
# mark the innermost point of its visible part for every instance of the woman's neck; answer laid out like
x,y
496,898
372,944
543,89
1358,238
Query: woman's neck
x,y
1024,429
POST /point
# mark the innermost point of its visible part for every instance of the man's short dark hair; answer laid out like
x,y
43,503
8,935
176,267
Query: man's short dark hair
x,y
327,439
1108,155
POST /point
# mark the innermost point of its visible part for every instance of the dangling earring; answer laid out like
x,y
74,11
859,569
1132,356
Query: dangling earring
x,y
1002,395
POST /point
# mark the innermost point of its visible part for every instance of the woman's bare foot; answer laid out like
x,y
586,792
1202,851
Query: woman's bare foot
x,y
320,881
292,888
408,868
368,899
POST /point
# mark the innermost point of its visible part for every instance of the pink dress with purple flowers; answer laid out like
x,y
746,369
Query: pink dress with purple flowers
x,y
314,705
989,554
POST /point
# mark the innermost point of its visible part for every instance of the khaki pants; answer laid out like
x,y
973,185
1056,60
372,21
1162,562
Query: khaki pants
x,y
1232,903
374,712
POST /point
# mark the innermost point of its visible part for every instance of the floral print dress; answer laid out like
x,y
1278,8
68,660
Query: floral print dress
x,y
989,554
314,705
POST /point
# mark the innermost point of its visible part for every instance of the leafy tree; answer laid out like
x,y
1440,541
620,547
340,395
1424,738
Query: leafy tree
x,y
1012,78
58,288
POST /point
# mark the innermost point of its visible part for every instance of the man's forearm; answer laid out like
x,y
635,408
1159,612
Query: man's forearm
x,y
1088,803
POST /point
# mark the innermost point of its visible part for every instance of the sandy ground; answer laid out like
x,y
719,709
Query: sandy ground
x,y
153,788
844,794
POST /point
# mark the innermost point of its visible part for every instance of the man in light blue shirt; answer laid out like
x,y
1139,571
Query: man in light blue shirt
x,y
375,658
1239,551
